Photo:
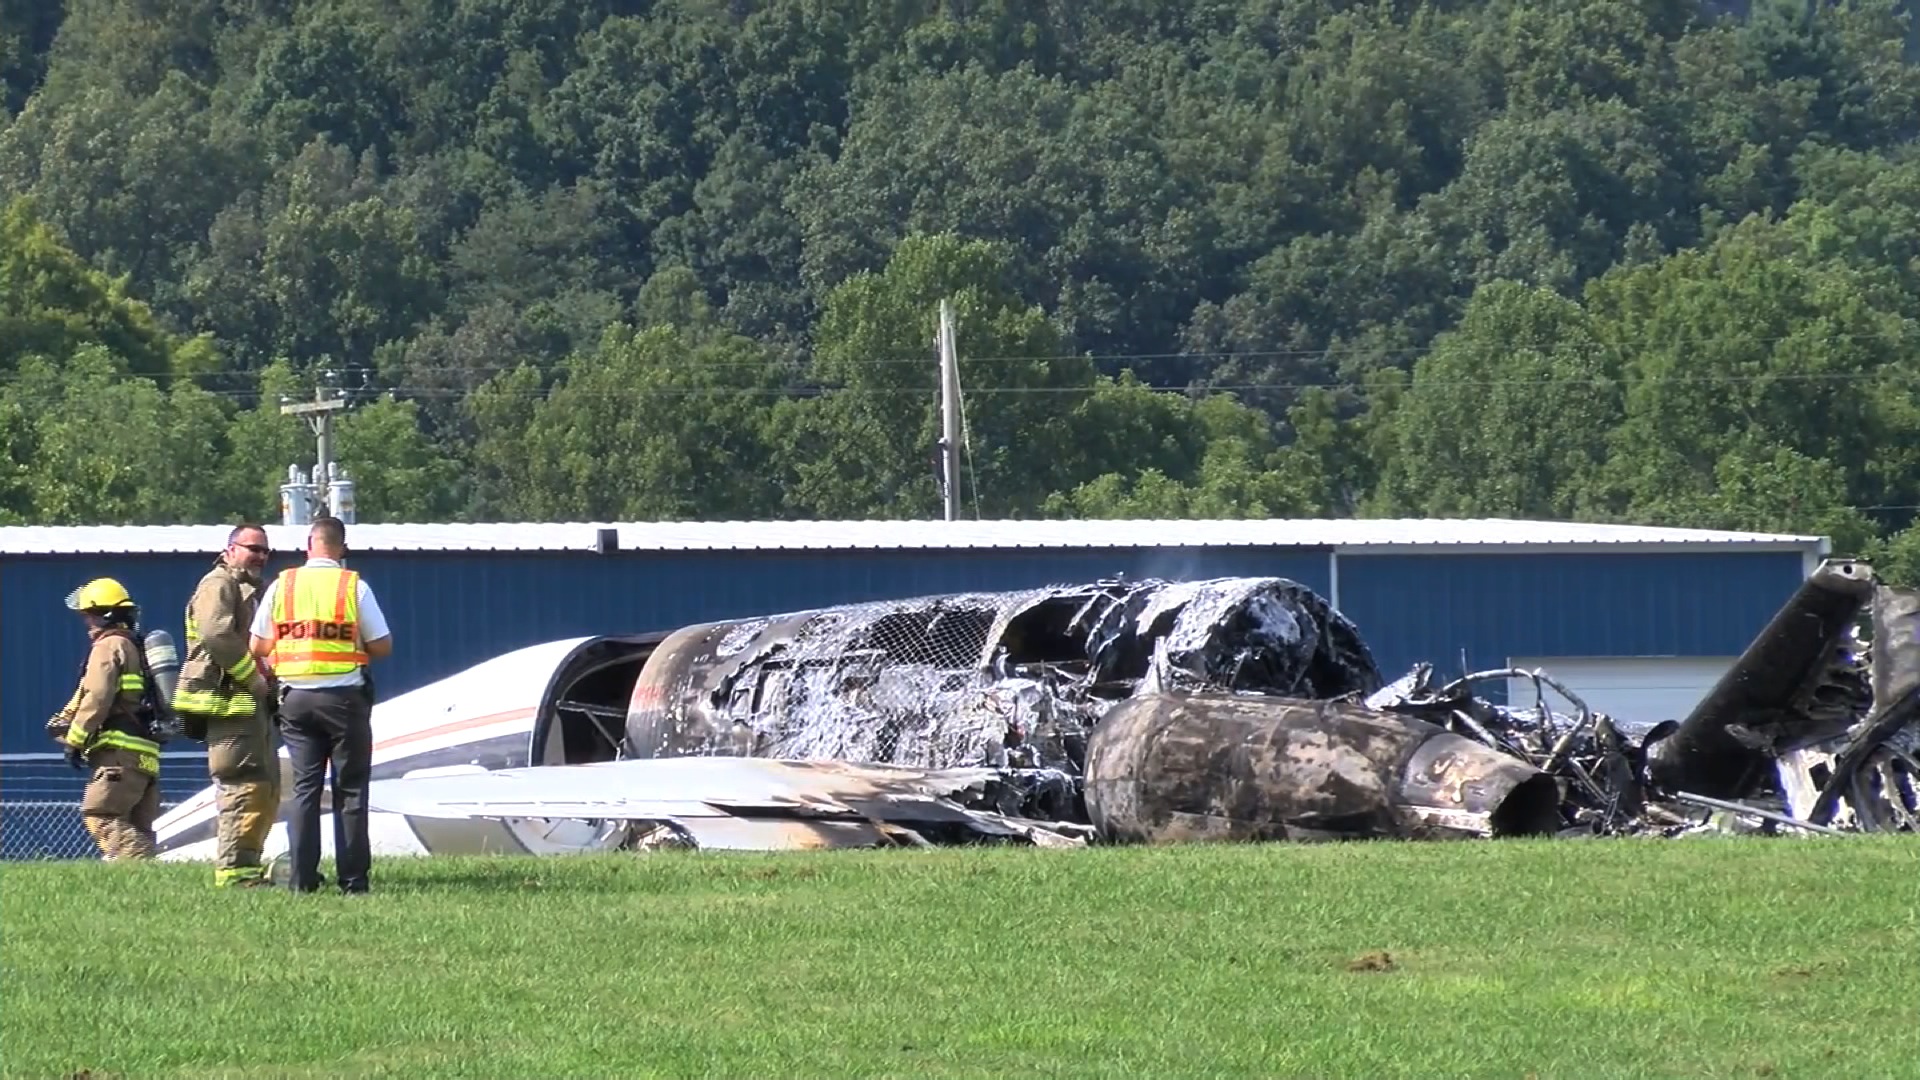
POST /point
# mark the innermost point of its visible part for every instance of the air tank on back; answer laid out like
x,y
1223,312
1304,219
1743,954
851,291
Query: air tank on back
x,y
163,660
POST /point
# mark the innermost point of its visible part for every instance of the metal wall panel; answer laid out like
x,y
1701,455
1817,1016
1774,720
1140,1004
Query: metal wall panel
x,y
1492,607
452,610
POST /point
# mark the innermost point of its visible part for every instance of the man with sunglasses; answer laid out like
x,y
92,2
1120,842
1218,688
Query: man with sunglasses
x,y
227,699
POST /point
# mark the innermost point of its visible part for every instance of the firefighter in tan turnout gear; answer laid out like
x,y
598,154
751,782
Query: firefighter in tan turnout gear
x,y
109,726
226,698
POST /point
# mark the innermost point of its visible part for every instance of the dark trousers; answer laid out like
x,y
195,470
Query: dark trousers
x,y
332,726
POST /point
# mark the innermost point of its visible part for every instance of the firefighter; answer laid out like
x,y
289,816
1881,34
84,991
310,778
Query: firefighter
x,y
109,726
226,699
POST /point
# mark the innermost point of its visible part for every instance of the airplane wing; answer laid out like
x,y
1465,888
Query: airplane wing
x,y
734,802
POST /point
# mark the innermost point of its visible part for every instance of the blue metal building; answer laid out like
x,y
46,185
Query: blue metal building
x,y
1639,620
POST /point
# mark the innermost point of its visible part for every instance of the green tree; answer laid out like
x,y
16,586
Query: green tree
x,y
641,113
321,269
1073,185
1196,250
1509,415
1552,199
132,181
665,421
106,447
52,303
867,443
1234,471
26,34
1746,351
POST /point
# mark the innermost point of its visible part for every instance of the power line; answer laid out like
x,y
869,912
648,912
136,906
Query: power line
x,y
1407,389
771,364
1561,349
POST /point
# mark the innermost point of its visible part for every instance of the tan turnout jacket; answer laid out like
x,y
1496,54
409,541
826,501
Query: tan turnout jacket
x,y
214,676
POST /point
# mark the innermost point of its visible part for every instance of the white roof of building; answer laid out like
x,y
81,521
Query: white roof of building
x,y
1338,534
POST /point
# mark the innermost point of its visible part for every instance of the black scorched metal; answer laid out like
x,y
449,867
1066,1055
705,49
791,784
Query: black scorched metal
x,y
1014,678
1782,688
1174,767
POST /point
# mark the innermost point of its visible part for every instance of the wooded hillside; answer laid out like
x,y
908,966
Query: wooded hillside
x,y
1604,259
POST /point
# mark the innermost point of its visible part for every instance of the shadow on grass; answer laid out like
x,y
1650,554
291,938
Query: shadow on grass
x,y
626,874
527,875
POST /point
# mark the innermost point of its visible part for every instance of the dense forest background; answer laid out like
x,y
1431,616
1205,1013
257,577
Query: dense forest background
x,y
1622,260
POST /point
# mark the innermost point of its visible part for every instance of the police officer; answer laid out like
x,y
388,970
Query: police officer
x,y
109,726
224,698
318,626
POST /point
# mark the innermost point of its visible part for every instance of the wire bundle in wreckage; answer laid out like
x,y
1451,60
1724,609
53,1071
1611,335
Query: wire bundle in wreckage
x,y
1815,728
1598,767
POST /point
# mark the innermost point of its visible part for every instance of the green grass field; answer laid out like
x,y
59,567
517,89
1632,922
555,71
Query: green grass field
x,y
1721,957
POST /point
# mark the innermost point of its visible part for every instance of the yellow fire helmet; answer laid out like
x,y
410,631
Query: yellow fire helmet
x,y
100,594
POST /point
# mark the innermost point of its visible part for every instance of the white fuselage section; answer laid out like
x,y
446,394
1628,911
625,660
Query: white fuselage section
x,y
480,719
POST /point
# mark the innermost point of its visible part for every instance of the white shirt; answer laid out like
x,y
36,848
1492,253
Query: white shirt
x,y
373,627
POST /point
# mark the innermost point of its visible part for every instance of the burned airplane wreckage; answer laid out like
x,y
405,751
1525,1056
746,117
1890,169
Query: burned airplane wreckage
x,y
1250,708
1131,711
1140,708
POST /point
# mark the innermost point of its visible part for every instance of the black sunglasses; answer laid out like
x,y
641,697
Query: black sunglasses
x,y
257,549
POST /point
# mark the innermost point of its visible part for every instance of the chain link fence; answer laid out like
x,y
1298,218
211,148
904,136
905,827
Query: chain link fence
x,y
43,829
40,803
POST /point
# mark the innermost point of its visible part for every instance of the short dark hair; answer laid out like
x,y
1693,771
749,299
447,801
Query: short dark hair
x,y
331,531
244,527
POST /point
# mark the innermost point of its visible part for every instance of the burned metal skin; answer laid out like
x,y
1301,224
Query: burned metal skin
x,y
1194,767
1783,688
1596,766
1896,644
1869,777
1012,680
1231,709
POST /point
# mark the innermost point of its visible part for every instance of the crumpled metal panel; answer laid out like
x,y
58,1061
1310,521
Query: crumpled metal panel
x,y
724,802
1869,776
1014,679
1234,709
1797,680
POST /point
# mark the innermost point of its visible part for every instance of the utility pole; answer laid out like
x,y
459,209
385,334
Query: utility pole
x,y
300,498
949,414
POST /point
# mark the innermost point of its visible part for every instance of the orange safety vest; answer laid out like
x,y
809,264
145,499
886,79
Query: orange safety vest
x,y
316,622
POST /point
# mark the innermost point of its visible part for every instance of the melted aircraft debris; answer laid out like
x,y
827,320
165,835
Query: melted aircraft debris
x,y
1164,767
1015,681
725,802
1248,708
1809,728
1157,711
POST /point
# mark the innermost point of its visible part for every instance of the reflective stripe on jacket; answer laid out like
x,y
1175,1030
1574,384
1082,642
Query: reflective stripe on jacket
x,y
214,674
106,710
316,622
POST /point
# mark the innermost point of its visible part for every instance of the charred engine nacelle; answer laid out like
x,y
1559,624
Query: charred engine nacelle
x,y
819,684
670,715
1174,767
